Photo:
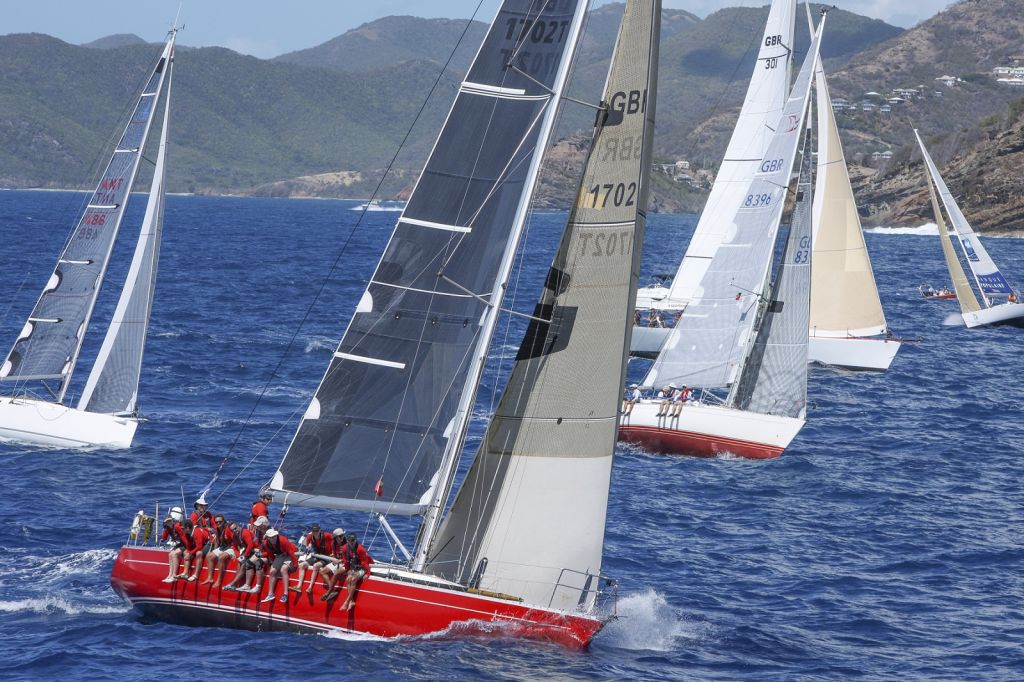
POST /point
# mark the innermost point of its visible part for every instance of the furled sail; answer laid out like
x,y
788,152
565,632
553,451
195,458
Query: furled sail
x,y
766,96
844,297
51,339
964,293
708,344
774,377
389,415
113,383
990,281
529,518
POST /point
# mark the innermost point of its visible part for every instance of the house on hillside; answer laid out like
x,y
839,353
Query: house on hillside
x,y
949,81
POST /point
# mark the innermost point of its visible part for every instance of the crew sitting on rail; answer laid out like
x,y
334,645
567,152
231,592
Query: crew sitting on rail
x,y
260,508
280,552
224,545
174,534
665,395
334,569
201,517
357,566
319,548
250,558
681,396
630,398
201,546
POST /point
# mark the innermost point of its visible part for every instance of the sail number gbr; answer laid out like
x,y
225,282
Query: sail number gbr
x,y
615,194
771,41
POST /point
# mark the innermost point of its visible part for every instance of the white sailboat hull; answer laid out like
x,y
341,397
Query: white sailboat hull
x,y
870,353
37,422
1006,313
708,431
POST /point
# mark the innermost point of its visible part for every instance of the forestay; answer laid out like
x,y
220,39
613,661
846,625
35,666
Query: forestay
x,y
707,345
51,339
844,297
990,281
965,295
766,96
529,518
389,414
774,377
113,383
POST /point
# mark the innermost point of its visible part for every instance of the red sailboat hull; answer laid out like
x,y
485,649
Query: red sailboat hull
x,y
389,604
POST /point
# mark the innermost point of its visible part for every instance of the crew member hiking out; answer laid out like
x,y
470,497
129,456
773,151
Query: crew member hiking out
x,y
224,549
357,567
250,558
319,546
281,557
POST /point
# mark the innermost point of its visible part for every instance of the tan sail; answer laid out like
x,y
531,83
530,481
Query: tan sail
x,y
844,297
964,293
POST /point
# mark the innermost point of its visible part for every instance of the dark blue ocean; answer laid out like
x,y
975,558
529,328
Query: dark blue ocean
x,y
886,543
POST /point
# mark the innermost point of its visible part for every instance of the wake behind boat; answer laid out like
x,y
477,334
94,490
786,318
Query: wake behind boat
x,y
521,545
37,373
1000,303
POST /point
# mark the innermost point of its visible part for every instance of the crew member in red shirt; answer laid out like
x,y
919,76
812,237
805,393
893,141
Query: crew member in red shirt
x,y
201,545
223,550
281,557
260,508
334,570
250,558
201,517
357,567
174,534
319,545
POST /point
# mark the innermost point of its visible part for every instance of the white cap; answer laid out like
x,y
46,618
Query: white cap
x,y
261,521
338,531
177,514
272,533
202,500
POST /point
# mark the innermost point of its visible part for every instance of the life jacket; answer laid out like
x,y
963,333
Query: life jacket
x,y
259,508
321,546
224,539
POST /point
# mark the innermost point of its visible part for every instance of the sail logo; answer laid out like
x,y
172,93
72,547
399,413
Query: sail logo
x,y
629,103
972,255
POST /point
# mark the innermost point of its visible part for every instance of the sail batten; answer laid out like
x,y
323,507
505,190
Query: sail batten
x,y
70,294
529,517
384,431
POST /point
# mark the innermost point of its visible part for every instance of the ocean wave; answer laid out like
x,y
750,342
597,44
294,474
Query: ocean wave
x,y
926,229
318,343
53,605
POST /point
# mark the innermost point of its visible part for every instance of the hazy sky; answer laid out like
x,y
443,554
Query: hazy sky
x,y
266,28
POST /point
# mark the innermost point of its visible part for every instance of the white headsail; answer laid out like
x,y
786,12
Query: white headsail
x,y
754,129
709,343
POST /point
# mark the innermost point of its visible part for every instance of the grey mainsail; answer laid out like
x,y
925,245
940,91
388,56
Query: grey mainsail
x,y
48,345
774,377
389,415
708,344
113,383
529,518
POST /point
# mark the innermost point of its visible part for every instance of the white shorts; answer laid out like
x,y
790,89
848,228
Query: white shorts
x,y
229,553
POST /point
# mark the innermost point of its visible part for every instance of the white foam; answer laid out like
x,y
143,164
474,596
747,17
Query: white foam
x,y
954,320
52,604
928,229
647,622
355,636
320,343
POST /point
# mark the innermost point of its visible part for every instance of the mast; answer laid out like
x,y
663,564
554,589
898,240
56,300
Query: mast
x,y
529,518
49,344
432,515
113,382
